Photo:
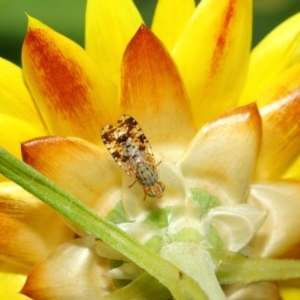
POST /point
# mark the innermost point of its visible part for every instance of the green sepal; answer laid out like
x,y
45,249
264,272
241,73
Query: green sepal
x,y
205,200
158,218
117,215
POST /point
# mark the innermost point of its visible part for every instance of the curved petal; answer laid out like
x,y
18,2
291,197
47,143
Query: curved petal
x,y
281,126
274,54
222,156
72,271
153,93
73,97
24,222
108,29
279,233
12,278
236,224
16,100
166,12
84,170
212,53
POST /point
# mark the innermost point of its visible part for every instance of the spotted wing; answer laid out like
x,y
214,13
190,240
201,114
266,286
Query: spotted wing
x,y
134,131
127,133
110,140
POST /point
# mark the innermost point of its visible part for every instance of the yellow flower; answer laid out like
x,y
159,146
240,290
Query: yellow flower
x,y
233,161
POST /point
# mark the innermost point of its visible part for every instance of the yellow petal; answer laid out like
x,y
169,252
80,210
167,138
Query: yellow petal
x,y
19,118
153,93
294,170
279,233
212,55
13,131
281,126
288,292
23,222
109,27
16,100
221,158
12,278
276,53
73,97
84,170
72,271
166,12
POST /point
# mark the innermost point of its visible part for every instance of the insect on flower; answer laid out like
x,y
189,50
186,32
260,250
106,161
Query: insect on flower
x,y
131,150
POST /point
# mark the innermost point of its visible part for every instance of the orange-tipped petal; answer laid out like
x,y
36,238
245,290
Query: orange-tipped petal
x,y
25,237
72,271
12,132
109,27
153,93
84,170
278,233
166,12
12,278
281,126
72,96
272,56
222,156
212,55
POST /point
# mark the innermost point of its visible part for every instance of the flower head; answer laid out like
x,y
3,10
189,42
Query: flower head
x,y
221,159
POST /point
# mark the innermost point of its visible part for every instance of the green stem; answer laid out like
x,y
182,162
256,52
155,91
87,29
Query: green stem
x,y
180,285
234,267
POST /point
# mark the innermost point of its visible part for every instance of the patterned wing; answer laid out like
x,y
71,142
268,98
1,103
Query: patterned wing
x,y
131,150
110,139
127,143
134,131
